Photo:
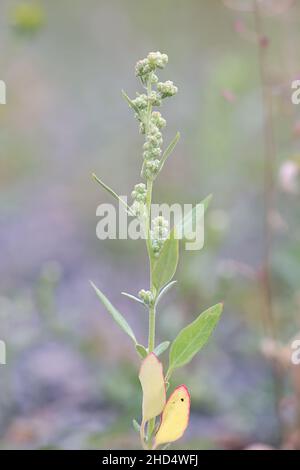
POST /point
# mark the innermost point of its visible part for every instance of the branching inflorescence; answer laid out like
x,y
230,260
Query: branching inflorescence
x,y
163,421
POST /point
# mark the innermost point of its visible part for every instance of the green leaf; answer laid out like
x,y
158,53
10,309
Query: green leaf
x,y
165,290
136,426
193,337
165,267
142,351
129,101
169,150
115,313
112,193
162,347
185,227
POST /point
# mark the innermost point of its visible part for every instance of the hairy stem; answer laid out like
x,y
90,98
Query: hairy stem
x,y
151,332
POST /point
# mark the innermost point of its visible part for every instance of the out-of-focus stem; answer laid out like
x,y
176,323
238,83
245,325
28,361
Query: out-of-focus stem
x,y
269,160
270,326
151,332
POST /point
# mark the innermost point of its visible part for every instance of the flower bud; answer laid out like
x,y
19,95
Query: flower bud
x,y
154,99
139,193
142,68
167,89
159,234
139,209
155,138
157,59
158,120
151,169
154,78
142,128
141,102
146,296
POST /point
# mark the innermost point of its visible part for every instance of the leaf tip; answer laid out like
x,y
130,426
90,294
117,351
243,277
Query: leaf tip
x,y
208,200
95,177
185,389
154,355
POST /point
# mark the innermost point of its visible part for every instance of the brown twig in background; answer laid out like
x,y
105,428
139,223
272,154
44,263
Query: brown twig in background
x,y
270,325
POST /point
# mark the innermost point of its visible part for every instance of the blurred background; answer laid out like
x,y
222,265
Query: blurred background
x,y
71,375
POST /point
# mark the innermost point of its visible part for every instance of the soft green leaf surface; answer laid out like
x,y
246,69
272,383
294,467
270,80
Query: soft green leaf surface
x,y
142,351
165,267
193,337
115,313
162,347
112,193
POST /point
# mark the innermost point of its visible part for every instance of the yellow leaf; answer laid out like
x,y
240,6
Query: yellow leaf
x,y
175,417
153,385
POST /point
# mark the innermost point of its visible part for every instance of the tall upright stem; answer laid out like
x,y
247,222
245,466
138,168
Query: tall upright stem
x,y
269,160
151,331
270,326
151,334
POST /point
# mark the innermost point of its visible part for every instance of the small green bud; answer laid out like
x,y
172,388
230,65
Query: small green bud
x,y
141,102
156,141
155,137
139,193
157,120
154,79
154,99
157,59
142,68
146,296
147,155
160,228
139,209
146,146
142,128
159,234
155,152
167,89
151,169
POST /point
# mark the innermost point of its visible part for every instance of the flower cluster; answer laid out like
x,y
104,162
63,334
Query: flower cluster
x,y
167,89
159,233
146,66
139,195
146,296
151,122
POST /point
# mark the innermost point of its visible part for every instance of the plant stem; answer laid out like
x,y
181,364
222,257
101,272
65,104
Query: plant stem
x,y
269,193
151,332
269,159
148,226
151,338
151,346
